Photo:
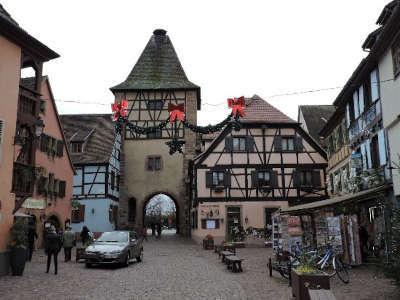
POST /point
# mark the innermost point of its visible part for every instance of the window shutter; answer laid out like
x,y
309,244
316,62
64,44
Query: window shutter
x,y
42,185
81,213
361,98
209,179
56,187
254,178
43,143
227,178
60,148
274,179
50,183
374,85
348,115
278,143
364,156
382,147
296,178
316,178
61,191
229,143
249,144
299,144
355,105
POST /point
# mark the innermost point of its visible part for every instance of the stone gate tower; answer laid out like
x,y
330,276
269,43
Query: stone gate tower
x,y
156,80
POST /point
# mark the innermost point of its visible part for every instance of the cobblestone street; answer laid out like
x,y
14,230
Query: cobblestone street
x,y
175,268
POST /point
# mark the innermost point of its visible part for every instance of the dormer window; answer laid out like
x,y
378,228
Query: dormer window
x,y
77,147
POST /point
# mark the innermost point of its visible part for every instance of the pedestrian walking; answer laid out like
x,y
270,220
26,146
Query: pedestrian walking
x,y
144,233
159,230
52,247
153,229
85,236
32,235
68,243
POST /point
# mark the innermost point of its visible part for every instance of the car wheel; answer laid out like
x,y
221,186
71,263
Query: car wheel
x,y
127,259
140,257
88,265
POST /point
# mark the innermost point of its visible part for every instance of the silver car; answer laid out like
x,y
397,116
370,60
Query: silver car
x,y
114,247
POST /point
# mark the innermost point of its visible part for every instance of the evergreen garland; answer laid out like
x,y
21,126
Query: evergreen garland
x,y
393,268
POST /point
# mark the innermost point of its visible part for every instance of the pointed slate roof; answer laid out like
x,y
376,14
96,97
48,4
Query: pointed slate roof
x,y
99,139
260,111
315,117
158,67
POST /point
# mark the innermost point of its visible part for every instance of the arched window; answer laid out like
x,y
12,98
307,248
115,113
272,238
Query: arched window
x,y
132,210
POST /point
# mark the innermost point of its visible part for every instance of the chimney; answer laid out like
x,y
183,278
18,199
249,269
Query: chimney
x,y
159,35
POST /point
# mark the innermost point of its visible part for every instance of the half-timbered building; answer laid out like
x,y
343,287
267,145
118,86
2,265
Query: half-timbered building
x,y
95,151
156,81
245,175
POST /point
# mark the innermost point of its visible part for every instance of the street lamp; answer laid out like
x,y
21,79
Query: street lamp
x,y
39,126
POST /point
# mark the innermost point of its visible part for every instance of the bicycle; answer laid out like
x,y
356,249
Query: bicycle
x,y
331,259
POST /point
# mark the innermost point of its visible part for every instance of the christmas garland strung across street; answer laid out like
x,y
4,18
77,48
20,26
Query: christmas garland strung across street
x,y
177,114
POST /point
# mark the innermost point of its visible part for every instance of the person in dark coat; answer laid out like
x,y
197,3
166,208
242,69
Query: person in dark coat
x,y
52,247
85,236
68,243
153,229
159,230
32,235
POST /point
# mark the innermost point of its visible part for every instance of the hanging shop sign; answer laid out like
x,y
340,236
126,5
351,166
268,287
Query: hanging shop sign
x,y
177,114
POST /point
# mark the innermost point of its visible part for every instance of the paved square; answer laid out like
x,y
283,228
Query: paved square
x,y
175,268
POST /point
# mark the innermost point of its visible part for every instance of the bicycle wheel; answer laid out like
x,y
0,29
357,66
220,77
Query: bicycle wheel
x,y
341,270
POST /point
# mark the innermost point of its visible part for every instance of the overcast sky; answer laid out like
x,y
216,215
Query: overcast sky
x,y
229,48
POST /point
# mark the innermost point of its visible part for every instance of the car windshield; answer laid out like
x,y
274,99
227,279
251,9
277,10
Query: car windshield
x,y
113,237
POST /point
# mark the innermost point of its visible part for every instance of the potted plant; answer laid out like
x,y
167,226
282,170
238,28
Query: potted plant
x,y
18,246
306,276
208,242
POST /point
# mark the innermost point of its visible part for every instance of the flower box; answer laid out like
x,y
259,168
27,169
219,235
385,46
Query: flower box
x,y
302,282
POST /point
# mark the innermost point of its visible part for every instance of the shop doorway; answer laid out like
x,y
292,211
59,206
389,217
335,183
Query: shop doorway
x,y
233,219
160,211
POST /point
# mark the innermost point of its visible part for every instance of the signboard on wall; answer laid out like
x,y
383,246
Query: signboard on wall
x,y
32,203
210,211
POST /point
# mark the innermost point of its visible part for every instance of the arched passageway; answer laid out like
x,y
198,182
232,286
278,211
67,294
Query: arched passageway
x,y
160,212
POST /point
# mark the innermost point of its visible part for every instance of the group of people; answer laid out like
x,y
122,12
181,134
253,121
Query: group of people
x,y
155,227
55,240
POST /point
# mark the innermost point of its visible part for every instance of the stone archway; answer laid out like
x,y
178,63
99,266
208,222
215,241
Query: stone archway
x,y
171,198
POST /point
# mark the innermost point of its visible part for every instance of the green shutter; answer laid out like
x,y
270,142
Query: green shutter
x,y
278,143
228,144
296,178
249,144
227,178
274,179
299,144
209,181
316,178
254,178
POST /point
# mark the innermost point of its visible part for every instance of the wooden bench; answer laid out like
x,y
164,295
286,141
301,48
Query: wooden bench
x,y
234,263
321,294
225,254
229,247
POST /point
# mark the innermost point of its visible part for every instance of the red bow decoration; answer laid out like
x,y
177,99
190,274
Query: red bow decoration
x,y
176,112
119,109
237,105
